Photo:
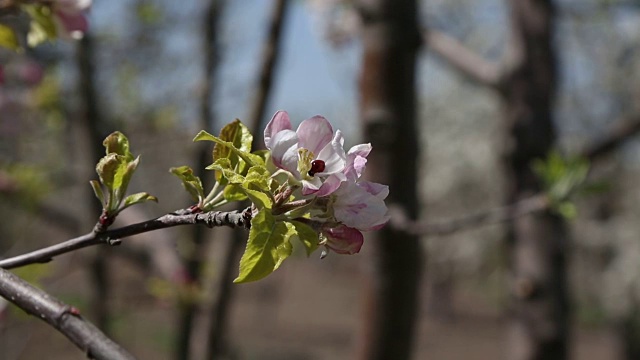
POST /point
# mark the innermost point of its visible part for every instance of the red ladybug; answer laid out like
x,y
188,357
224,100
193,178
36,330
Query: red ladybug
x,y
316,167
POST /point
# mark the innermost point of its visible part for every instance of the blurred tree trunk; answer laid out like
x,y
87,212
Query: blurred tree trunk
x,y
92,127
197,253
537,244
391,40
220,309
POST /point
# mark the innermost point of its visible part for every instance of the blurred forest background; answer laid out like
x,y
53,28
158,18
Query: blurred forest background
x,y
497,85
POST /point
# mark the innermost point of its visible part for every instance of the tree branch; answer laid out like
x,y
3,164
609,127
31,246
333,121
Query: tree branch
x,y
466,61
501,214
66,319
113,237
616,135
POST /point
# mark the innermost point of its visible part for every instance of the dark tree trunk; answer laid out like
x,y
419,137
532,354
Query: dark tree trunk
x,y
388,111
92,126
537,244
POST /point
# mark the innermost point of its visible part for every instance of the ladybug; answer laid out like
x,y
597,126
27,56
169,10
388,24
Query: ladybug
x,y
316,167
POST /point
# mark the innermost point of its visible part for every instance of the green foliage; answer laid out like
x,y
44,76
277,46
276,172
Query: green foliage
x,y
268,246
561,178
42,26
190,182
115,170
8,38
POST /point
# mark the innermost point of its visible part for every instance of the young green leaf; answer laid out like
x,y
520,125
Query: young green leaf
x,y
234,192
42,25
250,159
190,182
97,189
224,167
106,169
307,236
8,38
137,198
238,135
268,246
117,143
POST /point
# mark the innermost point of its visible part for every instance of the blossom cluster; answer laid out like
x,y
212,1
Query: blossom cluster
x,y
343,205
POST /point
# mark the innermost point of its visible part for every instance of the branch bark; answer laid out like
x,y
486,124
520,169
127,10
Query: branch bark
x,y
66,319
470,64
114,236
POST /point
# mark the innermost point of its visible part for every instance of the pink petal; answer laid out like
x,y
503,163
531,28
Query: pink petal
x,y
331,184
284,150
311,186
72,22
333,155
356,207
280,121
378,190
343,239
314,134
360,150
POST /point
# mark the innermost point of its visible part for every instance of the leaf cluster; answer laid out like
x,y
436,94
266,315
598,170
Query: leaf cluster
x,y
115,170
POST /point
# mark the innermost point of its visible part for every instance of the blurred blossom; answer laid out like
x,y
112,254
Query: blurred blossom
x,y
71,19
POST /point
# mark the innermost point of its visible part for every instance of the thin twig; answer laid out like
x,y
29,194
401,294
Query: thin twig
x,y
465,60
113,237
93,342
536,203
615,136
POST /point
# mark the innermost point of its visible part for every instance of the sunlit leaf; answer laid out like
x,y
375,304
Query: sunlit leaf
x,y
250,159
97,189
234,192
268,246
8,38
190,181
307,236
137,198
42,25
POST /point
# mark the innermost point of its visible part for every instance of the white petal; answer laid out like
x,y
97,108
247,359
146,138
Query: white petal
x,y
280,121
333,156
314,134
284,150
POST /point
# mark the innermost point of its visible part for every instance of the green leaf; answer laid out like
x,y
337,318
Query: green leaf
x,y
250,159
234,192
97,189
307,236
224,167
137,198
567,209
257,186
8,38
123,177
238,135
106,169
117,143
42,25
190,182
268,246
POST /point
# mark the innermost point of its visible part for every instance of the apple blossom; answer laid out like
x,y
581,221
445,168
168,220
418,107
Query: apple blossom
x,y
342,239
70,15
312,154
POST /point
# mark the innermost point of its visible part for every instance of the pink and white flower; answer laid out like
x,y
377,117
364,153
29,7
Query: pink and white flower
x,y
312,154
71,19
342,239
361,205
